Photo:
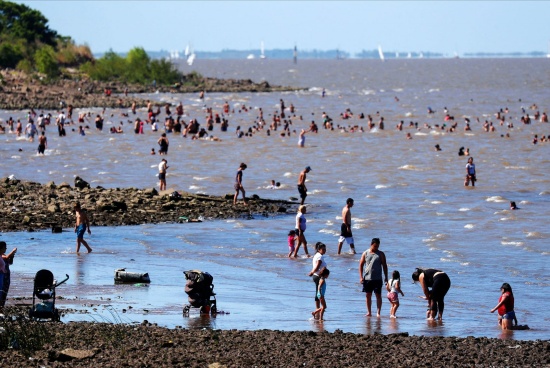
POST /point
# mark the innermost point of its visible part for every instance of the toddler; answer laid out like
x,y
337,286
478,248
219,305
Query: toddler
x,y
291,242
394,287
320,312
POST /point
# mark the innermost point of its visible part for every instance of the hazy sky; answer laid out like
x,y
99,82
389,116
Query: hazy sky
x,y
352,26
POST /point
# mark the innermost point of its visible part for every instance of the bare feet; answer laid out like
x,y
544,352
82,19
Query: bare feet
x,y
368,315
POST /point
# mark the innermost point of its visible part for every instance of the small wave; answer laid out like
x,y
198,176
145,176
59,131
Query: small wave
x,y
408,114
329,231
431,90
516,167
469,226
544,193
464,263
381,186
495,199
16,157
420,133
200,178
102,173
443,259
516,243
535,234
409,167
195,187
288,174
436,202
464,209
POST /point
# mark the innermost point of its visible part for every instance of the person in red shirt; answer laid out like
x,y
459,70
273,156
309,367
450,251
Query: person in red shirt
x,y
505,308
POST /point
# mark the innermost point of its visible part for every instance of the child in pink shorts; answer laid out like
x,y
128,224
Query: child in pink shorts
x,y
291,242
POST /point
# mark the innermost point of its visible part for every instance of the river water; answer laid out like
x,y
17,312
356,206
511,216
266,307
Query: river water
x,y
406,193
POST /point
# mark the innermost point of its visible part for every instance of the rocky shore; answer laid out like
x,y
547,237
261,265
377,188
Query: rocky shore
x,y
28,206
113,345
19,91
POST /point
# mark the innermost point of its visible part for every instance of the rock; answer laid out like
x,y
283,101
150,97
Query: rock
x,y
80,183
71,354
26,220
150,192
50,185
120,205
64,185
54,208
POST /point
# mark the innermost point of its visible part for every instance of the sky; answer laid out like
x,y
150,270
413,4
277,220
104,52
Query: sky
x,y
446,27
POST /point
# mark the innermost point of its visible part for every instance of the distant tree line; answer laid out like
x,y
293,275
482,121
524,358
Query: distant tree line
x,y
28,44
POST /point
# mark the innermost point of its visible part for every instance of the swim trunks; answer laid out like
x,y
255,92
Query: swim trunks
x,y
302,191
162,176
372,285
345,235
80,230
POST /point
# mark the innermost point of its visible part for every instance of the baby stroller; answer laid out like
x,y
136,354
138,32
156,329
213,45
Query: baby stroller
x,y
44,291
200,291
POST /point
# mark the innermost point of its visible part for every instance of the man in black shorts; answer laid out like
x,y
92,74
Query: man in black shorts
x,y
373,262
302,184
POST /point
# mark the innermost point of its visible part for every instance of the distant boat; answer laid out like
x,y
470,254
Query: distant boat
x,y
381,53
187,51
191,56
262,51
548,55
251,56
191,59
409,55
397,55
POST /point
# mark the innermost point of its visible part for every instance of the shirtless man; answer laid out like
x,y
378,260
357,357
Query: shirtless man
x,y
302,184
82,223
345,229
42,143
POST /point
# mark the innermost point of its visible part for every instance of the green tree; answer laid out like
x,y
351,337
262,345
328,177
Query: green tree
x,y
46,62
20,21
164,72
10,55
138,70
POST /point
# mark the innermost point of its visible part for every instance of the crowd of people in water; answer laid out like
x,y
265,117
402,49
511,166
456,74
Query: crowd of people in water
x,y
283,122
167,120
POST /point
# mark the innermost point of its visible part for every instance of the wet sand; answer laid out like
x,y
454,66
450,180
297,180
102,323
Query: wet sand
x,y
107,345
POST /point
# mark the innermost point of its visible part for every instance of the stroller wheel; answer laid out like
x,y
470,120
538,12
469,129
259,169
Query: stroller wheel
x,y
186,310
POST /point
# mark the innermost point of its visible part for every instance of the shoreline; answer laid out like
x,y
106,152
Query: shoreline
x,y
19,91
84,344
29,206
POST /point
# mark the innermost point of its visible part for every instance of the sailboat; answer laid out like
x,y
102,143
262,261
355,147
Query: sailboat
x,y
381,53
262,51
191,57
186,53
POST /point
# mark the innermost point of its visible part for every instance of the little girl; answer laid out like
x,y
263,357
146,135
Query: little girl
x,y
319,312
291,242
394,286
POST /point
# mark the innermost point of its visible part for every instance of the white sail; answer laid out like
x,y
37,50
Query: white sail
x,y
250,56
262,51
187,53
409,55
381,53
